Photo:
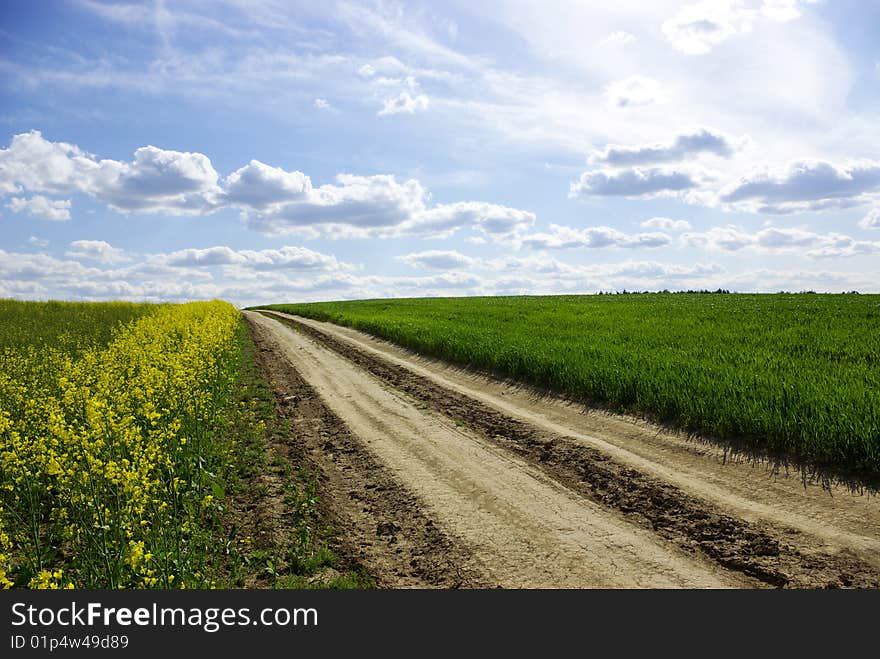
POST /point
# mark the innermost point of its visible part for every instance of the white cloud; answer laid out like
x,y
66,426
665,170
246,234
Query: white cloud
x,y
96,250
42,207
758,77
562,237
871,220
803,185
667,224
686,145
258,185
39,242
618,38
39,276
355,206
366,71
492,220
33,163
380,206
321,104
272,200
635,182
193,257
722,238
836,246
284,258
244,276
156,180
773,240
697,28
531,275
404,104
436,259
633,91
783,10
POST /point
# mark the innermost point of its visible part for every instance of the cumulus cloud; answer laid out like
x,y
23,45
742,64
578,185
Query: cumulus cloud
x,y
772,240
42,207
404,104
491,220
562,237
722,238
294,258
287,257
272,200
258,185
633,91
193,257
667,224
380,206
697,28
96,250
356,206
156,180
33,163
635,182
804,185
436,259
39,242
321,104
174,182
837,246
683,146
871,220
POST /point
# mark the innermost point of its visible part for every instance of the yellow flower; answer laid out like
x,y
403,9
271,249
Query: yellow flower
x,y
102,437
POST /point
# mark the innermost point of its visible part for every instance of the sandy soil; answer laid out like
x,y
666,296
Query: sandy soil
x,y
534,491
376,524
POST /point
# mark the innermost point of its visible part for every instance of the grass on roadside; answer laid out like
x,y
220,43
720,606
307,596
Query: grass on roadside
x,y
274,535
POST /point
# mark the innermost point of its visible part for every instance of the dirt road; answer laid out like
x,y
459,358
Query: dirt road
x,y
495,486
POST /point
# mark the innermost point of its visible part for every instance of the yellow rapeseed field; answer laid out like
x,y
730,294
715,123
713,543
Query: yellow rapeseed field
x,y
106,455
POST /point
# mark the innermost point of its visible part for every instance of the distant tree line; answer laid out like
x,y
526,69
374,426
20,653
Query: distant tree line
x,y
702,291
664,291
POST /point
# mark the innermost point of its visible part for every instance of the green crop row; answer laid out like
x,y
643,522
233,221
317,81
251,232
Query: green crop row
x,y
66,326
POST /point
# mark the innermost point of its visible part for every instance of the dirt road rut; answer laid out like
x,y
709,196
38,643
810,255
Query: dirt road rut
x,y
524,499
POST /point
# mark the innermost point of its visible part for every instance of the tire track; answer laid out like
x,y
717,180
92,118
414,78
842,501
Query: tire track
x,y
524,527
378,524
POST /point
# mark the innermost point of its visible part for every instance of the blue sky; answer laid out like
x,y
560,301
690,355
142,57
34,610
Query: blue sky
x,y
268,151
